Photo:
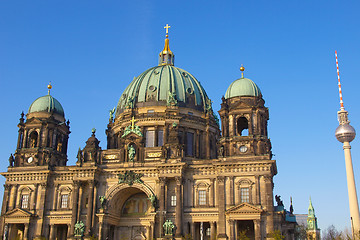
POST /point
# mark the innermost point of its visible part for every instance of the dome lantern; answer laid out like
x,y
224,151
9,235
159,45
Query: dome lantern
x,y
166,57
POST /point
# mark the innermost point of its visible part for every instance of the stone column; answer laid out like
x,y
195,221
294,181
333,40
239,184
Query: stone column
x,y
221,201
148,232
257,229
14,196
24,143
75,199
212,230
68,231
161,204
95,199
52,232
269,204
179,207
42,209
152,229
5,203
45,138
212,192
26,231
56,197
232,230
90,208
21,134
192,230
79,207
207,142
36,186
231,190
101,230
197,143
257,190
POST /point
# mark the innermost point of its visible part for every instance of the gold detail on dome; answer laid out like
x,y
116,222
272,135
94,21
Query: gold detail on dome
x,y
49,87
166,56
242,69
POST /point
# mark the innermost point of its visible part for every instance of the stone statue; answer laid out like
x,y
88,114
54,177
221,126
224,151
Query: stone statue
x,y
168,227
11,160
221,151
130,103
172,99
111,114
79,156
131,153
152,199
33,143
79,229
103,201
279,201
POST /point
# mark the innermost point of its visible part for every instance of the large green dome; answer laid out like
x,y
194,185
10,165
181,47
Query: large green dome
x,y
154,86
46,103
242,87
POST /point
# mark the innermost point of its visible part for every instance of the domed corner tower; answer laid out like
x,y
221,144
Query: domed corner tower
x,y
164,114
244,121
43,137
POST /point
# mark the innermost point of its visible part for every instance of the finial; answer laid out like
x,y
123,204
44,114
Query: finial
x,y
167,30
49,87
242,69
166,57
93,131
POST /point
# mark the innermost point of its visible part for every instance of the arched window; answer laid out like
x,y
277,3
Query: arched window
x,y
33,139
242,126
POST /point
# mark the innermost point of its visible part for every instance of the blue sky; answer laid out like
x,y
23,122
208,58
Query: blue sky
x,y
91,50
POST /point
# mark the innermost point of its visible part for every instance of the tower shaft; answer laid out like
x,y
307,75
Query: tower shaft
x,y
353,201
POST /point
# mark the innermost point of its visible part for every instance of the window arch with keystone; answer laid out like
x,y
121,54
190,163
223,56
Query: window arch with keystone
x,y
202,194
63,197
25,197
244,191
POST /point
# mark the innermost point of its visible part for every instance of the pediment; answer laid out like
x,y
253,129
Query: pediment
x,y
18,213
244,208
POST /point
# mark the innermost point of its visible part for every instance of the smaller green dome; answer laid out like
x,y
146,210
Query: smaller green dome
x,y
46,103
242,87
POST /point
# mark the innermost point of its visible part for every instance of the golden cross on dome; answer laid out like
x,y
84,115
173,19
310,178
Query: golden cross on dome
x,y
132,123
167,28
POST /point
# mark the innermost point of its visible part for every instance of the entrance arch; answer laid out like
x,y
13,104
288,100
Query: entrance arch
x,y
130,213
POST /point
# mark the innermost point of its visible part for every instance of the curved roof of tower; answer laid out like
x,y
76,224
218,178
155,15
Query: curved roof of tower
x,y
242,87
46,103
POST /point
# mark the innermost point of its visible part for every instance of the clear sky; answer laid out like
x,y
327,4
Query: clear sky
x,y
91,50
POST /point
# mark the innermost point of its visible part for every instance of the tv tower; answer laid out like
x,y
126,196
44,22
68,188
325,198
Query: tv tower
x,y
345,133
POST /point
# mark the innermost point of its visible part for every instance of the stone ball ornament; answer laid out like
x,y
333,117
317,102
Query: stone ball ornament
x,y
345,133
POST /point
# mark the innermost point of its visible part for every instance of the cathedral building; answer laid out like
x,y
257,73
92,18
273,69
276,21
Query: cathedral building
x,y
168,171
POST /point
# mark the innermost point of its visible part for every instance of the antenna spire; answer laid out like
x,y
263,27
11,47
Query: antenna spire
x,y
339,84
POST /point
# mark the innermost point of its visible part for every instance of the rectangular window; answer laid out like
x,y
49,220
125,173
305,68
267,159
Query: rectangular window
x,y
173,201
202,197
160,138
25,201
150,138
244,195
64,200
189,144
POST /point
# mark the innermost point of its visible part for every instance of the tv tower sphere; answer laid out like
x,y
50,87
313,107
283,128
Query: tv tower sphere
x,y
345,133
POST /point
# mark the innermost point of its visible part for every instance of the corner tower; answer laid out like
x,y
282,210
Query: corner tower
x,y
43,136
244,121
